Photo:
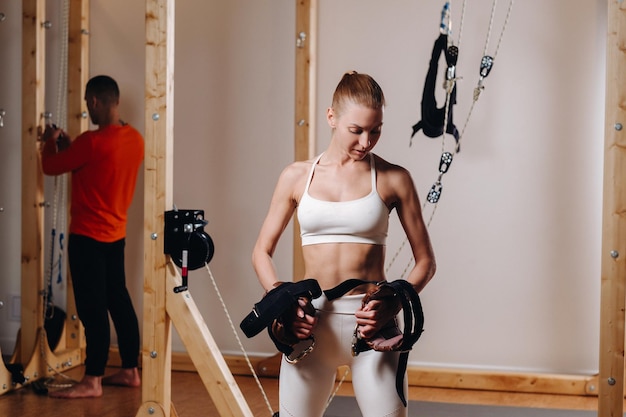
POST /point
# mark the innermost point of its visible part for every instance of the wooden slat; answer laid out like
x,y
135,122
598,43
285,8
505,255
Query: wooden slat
x,y
158,179
613,271
503,381
204,352
468,379
33,72
304,138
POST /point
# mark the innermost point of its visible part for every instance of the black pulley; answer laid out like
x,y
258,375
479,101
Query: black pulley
x,y
184,231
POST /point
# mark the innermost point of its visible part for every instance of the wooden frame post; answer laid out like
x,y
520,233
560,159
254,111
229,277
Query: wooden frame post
x,y
32,351
162,306
613,269
305,112
33,92
77,122
158,167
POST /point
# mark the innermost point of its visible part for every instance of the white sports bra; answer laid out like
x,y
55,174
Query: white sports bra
x,y
364,220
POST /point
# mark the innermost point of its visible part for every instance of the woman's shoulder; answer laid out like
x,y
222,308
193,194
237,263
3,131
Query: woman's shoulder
x,y
295,174
388,168
394,181
297,168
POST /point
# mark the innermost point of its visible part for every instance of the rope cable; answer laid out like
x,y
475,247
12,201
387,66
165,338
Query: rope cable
x,y
243,350
506,23
461,21
493,12
449,88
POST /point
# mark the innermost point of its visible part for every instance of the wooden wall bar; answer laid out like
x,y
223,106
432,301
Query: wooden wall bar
x,y
163,307
305,115
33,91
613,269
77,122
158,173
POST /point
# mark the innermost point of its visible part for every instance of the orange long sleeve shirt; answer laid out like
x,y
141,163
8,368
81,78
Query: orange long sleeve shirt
x,y
104,164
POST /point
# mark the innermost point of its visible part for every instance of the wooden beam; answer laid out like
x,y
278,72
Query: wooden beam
x,y
306,42
613,266
33,86
204,352
162,306
503,381
77,122
158,180
419,376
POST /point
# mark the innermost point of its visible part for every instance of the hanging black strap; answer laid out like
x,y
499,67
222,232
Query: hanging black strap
x,y
432,123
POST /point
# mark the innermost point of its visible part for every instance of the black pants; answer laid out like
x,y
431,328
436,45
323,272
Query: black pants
x,y
99,283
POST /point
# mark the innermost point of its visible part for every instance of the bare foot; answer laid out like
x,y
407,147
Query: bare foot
x,y
124,377
88,387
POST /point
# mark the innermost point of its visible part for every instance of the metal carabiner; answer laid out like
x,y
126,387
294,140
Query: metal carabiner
x,y
303,352
435,193
486,63
445,162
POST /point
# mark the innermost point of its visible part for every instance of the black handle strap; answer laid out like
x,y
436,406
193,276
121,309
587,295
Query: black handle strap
x,y
276,302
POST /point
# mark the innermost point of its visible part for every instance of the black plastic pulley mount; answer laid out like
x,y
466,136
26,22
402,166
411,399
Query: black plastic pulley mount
x,y
189,246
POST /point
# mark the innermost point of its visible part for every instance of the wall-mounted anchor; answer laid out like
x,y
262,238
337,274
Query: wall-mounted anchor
x,y
301,40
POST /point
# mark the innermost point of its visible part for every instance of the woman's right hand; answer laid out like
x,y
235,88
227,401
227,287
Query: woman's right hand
x,y
304,320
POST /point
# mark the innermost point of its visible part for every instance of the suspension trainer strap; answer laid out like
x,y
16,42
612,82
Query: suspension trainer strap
x,y
276,302
413,320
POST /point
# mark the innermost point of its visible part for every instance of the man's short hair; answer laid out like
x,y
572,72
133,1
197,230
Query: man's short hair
x,y
104,88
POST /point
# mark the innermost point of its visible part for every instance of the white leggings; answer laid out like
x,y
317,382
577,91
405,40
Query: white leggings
x,y
305,387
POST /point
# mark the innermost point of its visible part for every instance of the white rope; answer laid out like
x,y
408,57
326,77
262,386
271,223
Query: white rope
x,y
336,390
61,107
243,350
506,23
493,13
461,22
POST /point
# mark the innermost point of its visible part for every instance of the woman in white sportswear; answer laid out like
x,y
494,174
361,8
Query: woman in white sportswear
x,y
343,199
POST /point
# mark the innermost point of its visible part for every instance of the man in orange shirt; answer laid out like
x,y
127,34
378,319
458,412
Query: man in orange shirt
x,y
104,164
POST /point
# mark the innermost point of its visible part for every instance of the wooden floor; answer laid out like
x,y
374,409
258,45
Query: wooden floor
x,y
190,399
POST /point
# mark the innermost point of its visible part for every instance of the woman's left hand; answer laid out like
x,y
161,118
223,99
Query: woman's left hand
x,y
375,314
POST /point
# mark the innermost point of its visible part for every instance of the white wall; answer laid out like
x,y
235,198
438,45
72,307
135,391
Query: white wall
x,y
517,232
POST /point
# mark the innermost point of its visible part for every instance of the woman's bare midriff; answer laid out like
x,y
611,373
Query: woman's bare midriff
x,y
332,263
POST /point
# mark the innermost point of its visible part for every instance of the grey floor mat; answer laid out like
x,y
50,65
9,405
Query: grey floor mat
x,y
347,407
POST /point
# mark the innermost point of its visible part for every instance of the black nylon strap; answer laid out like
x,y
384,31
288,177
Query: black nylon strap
x,y
276,302
346,286
413,328
413,319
